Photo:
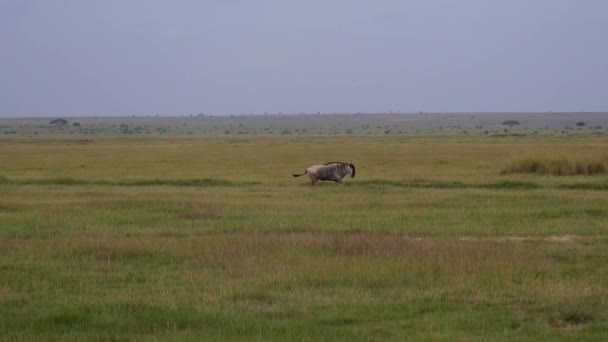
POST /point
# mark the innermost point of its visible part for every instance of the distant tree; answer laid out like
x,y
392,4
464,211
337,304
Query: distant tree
x,y
76,124
510,123
581,123
58,122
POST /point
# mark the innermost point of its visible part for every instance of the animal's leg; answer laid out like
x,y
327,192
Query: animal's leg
x,y
313,179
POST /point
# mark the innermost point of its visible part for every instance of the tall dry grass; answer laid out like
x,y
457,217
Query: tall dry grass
x,y
560,164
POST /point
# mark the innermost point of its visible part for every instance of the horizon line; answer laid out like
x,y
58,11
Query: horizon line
x,y
298,114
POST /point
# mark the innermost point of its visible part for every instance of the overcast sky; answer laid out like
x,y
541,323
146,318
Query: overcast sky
x,y
146,57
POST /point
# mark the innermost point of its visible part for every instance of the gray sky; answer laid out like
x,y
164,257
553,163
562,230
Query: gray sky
x,y
144,57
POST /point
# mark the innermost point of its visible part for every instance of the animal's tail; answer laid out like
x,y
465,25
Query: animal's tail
x,y
296,175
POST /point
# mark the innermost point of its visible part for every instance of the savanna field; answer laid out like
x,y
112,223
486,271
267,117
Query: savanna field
x,y
440,236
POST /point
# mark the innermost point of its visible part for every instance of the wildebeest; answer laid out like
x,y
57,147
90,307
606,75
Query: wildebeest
x,y
333,171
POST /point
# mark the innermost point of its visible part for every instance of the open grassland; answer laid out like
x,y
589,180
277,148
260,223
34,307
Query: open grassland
x,y
190,238
362,124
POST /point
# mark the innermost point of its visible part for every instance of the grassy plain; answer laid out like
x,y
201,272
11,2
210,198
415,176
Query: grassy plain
x,y
210,237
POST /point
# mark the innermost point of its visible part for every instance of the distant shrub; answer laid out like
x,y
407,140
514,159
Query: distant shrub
x,y
510,123
581,123
58,122
564,165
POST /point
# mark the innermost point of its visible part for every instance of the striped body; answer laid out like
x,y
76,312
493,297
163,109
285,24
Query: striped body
x,y
334,171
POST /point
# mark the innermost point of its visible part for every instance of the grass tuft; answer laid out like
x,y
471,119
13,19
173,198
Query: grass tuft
x,y
60,181
68,318
512,185
576,317
571,318
585,186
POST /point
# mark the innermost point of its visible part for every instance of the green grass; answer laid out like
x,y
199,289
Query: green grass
x,y
198,182
193,239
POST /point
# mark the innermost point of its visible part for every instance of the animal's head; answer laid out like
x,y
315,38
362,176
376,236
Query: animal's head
x,y
351,168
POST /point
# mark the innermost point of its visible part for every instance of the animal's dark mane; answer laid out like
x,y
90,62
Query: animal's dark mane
x,y
334,163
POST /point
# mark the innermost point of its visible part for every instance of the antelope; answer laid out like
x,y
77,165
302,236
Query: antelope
x,y
333,171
